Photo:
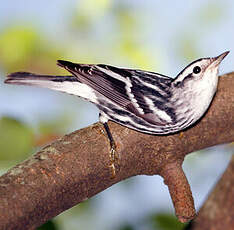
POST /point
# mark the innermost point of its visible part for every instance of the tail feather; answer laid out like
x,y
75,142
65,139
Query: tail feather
x,y
25,78
67,84
44,81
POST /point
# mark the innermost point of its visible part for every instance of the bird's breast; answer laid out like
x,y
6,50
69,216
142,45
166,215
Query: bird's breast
x,y
192,102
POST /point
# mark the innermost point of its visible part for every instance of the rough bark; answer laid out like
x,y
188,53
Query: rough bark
x,y
217,212
77,166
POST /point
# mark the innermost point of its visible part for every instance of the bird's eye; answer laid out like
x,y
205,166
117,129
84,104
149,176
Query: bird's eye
x,y
196,69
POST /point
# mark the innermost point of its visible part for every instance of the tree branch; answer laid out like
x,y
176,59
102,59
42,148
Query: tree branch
x,y
77,166
217,212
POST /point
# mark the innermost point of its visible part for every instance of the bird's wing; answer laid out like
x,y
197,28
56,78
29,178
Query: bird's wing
x,y
133,90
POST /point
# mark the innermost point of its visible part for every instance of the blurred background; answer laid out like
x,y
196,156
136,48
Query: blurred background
x,y
161,36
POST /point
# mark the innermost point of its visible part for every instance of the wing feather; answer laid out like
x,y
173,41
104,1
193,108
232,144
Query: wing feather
x,y
121,86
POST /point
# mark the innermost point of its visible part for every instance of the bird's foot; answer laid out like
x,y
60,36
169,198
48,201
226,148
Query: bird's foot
x,y
113,155
114,158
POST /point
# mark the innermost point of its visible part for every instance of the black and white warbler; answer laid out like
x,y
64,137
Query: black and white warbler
x,y
145,101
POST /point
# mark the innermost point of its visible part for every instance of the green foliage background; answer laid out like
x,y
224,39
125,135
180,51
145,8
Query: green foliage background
x,y
121,33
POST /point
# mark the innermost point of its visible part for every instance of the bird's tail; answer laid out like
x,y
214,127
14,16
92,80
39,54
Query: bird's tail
x,y
67,84
25,78
45,81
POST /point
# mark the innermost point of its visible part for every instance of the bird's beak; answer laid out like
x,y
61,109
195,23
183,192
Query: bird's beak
x,y
217,60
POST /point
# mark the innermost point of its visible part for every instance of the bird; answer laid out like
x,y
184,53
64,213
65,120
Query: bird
x,y
145,101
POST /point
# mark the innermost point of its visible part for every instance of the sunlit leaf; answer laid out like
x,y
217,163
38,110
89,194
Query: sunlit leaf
x,y
126,20
88,11
17,44
128,45
81,21
136,55
94,7
16,139
187,47
211,13
24,47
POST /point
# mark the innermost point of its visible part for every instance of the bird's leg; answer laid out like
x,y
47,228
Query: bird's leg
x,y
113,153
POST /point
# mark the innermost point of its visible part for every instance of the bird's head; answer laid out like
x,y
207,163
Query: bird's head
x,y
202,70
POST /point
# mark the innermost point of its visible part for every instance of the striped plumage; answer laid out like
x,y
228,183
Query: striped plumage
x,y
142,100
